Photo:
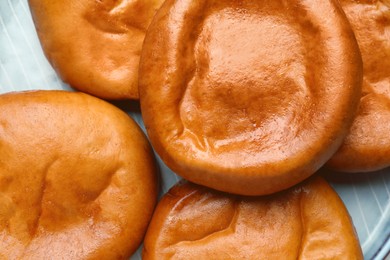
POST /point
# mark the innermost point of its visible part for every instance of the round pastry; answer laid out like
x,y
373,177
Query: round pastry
x,y
367,147
306,222
249,97
94,45
77,178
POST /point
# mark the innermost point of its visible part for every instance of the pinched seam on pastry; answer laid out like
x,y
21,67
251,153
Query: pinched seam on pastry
x,y
230,229
34,228
36,223
112,18
226,231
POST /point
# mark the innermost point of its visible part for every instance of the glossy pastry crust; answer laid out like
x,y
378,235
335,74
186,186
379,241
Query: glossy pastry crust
x,y
308,221
367,146
94,45
249,97
77,178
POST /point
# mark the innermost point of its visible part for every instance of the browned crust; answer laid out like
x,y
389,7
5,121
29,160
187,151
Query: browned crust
x,y
210,126
367,146
77,178
95,45
308,221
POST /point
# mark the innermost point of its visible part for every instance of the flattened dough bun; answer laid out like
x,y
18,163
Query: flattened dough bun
x,y
367,146
249,97
77,178
94,45
306,222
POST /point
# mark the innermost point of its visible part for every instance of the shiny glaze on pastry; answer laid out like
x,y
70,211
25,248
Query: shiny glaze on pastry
x,y
308,221
77,178
367,147
249,97
94,45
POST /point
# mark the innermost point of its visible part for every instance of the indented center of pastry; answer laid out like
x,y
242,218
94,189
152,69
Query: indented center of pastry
x,y
250,78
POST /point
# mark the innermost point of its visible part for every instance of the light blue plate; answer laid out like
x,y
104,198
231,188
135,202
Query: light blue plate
x,y
24,67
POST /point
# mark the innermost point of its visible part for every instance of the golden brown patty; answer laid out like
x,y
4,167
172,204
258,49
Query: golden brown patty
x,y
306,222
94,45
77,178
249,97
367,147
